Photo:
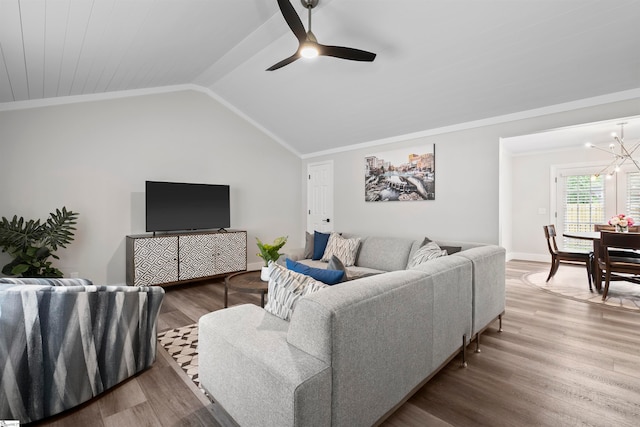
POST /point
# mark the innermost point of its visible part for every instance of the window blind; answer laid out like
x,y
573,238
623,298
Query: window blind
x,y
633,195
584,206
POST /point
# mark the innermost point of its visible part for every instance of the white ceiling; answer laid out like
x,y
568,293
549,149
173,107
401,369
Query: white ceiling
x,y
439,63
599,134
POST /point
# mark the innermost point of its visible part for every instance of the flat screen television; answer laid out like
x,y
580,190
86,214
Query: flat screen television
x,y
175,206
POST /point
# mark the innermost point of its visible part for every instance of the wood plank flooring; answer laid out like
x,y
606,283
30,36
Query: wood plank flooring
x,y
558,362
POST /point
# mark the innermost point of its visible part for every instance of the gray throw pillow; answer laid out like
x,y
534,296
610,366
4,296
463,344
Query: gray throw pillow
x,y
308,246
336,264
451,249
427,252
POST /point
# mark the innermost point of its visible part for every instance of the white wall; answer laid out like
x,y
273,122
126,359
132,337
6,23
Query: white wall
x,y
468,187
94,157
466,179
532,182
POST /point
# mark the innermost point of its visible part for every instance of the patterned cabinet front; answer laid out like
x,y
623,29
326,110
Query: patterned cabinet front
x,y
155,260
197,255
179,257
232,252
203,255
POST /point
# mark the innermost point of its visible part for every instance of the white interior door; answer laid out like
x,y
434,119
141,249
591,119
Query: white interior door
x,y
320,197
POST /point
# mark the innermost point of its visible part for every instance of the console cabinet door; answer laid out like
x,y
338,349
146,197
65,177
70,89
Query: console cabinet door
x,y
170,259
231,254
197,256
155,260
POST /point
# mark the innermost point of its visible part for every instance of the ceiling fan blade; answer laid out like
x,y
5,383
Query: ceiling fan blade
x,y
284,62
346,53
293,20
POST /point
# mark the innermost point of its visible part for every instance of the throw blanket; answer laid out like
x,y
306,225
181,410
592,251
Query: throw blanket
x,y
64,341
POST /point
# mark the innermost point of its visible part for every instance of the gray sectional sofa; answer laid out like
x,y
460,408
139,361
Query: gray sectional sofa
x,y
353,352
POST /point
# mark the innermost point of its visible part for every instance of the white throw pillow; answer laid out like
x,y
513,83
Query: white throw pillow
x,y
426,252
286,287
345,249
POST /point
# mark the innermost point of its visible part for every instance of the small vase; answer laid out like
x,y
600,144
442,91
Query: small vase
x,y
621,229
264,274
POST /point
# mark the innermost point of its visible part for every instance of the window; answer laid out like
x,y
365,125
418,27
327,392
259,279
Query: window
x,y
584,200
633,195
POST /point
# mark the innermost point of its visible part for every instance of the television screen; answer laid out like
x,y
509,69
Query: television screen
x,y
174,206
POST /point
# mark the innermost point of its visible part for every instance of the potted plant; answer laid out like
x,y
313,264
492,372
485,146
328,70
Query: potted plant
x,y
31,243
269,252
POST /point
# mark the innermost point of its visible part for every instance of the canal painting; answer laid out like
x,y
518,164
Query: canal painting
x,y
401,175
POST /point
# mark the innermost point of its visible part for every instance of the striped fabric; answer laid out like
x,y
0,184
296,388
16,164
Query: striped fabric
x,y
345,249
46,281
62,343
286,287
426,252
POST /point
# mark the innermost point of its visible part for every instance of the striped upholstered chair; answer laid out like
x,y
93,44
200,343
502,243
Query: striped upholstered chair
x,y
64,341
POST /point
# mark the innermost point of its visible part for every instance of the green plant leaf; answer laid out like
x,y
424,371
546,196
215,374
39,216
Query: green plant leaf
x,y
58,228
19,269
17,235
270,252
30,243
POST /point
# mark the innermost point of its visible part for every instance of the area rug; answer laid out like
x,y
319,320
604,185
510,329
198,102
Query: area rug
x,y
182,346
571,282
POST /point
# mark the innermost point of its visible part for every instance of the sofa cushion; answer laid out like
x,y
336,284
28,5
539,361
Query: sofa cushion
x,y
243,352
325,275
286,287
427,252
345,249
384,253
319,244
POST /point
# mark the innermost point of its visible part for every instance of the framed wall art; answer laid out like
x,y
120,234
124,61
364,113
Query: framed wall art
x,y
407,174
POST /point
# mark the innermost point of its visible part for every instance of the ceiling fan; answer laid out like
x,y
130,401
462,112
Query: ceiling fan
x,y
309,46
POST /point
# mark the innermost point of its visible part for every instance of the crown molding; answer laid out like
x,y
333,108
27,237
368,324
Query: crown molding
x,y
528,114
537,112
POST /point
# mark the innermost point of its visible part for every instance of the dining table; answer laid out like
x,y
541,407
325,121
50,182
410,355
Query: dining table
x,y
594,236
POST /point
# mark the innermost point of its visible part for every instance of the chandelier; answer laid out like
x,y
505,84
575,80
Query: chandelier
x,y
620,156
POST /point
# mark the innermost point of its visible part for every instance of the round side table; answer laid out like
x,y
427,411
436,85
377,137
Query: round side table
x,y
246,281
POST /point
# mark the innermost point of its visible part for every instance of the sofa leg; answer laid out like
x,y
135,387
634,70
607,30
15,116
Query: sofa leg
x,y
478,343
464,351
500,323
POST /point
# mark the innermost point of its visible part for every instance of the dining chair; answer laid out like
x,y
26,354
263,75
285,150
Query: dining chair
x,y
621,261
568,257
598,252
607,227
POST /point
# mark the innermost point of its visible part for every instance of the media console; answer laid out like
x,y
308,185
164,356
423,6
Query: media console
x,y
168,259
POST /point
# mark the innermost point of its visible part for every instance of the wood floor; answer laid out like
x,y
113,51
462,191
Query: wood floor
x,y
558,362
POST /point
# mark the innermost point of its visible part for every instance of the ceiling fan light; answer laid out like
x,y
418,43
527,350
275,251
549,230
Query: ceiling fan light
x,y
308,50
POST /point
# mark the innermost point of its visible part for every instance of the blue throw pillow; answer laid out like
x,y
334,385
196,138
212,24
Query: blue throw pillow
x,y
319,244
329,277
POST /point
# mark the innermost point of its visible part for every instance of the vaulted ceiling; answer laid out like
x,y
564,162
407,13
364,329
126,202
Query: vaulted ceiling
x,y
439,63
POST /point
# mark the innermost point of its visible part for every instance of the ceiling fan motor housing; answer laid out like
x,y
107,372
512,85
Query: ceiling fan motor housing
x,y
309,4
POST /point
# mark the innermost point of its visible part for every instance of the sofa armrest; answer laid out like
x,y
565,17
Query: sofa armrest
x,y
451,279
488,283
